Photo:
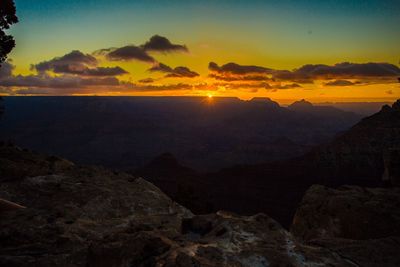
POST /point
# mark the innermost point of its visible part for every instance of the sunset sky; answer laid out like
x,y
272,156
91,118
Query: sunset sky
x,y
334,50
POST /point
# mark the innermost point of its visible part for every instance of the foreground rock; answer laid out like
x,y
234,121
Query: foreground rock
x,y
348,212
359,224
69,207
221,239
72,216
88,216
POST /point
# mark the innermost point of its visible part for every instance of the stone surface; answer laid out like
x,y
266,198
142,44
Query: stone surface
x,y
348,212
88,216
221,239
373,252
358,224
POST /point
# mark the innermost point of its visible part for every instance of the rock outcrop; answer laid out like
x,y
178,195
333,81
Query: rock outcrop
x,y
359,224
349,212
357,156
73,216
68,207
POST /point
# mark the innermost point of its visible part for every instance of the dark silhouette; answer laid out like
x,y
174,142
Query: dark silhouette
x,y
128,132
7,18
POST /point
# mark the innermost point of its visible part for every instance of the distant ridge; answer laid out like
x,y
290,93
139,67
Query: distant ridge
x,y
301,105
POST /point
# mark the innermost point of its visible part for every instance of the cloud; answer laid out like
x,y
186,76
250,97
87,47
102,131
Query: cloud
x,y
77,63
161,44
286,86
347,69
261,85
178,72
44,80
232,72
130,52
44,83
307,73
339,83
287,75
74,60
64,81
146,80
341,71
239,78
233,68
104,71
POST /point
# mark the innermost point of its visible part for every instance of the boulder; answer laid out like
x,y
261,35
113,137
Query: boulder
x,y
349,212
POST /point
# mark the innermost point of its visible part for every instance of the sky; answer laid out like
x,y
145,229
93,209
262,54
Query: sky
x,y
334,50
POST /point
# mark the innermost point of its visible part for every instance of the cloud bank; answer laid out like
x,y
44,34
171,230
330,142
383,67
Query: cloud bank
x,y
77,63
156,43
178,72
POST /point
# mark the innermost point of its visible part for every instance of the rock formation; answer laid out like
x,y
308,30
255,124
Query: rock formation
x,y
359,224
357,156
89,216
350,212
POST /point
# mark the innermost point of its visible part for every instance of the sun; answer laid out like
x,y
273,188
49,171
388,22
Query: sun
x,y
210,96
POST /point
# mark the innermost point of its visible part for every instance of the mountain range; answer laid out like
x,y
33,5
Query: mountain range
x,y
204,133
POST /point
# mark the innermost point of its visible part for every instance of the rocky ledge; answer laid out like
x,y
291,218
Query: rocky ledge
x,y
55,213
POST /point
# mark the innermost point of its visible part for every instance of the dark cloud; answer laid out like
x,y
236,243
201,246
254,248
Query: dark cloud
x,y
160,67
74,60
276,87
305,74
79,64
287,75
146,80
64,81
129,52
341,71
161,44
239,78
183,72
339,83
99,71
43,83
140,53
178,72
347,69
104,71
286,86
233,68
